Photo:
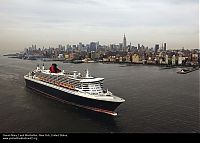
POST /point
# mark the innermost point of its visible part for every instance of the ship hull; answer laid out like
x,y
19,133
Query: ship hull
x,y
92,104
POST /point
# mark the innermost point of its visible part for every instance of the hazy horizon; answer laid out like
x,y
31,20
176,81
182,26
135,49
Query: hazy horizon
x,y
52,22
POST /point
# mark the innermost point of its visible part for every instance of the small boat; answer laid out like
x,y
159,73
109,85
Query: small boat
x,y
184,71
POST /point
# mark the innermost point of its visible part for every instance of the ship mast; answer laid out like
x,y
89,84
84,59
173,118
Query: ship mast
x,y
38,67
87,74
43,66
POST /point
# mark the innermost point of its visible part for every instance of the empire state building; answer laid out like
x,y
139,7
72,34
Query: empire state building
x,y
124,43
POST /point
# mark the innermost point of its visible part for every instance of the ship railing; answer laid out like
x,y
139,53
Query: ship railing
x,y
55,82
46,79
66,85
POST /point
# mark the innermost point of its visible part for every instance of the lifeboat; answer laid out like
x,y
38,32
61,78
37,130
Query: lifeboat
x,y
61,84
66,85
73,87
56,83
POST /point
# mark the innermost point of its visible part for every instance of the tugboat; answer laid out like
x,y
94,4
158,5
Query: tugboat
x,y
84,91
183,71
188,70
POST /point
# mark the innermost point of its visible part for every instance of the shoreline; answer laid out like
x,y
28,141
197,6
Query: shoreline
x,y
163,66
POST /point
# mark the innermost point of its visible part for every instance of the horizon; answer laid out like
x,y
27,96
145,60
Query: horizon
x,y
54,22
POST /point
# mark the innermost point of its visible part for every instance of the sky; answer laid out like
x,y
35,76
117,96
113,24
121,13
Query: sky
x,y
52,22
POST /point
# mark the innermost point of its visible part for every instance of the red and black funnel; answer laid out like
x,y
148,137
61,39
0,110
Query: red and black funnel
x,y
54,69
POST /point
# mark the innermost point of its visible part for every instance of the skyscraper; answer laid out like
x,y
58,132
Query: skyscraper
x,y
121,46
124,43
92,47
156,48
165,46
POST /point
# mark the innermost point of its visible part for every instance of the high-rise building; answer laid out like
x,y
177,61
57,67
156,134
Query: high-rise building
x,y
139,48
92,55
92,47
74,47
156,48
120,46
129,48
124,43
61,48
80,46
97,45
165,47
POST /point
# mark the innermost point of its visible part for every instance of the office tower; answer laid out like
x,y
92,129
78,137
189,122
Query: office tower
x,y
165,46
156,48
124,43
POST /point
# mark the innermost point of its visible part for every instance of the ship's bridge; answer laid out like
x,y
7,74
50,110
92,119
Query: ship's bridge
x,y
86,80
87,83
92,86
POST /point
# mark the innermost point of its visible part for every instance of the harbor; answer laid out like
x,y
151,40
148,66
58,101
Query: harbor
x,y
156,101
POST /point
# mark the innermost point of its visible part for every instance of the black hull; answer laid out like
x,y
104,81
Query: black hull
x,y
92,104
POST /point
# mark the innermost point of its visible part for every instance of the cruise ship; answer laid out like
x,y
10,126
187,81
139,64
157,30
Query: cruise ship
x,y
84,91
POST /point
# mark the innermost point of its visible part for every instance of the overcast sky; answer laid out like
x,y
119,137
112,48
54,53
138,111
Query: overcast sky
x,y
53,22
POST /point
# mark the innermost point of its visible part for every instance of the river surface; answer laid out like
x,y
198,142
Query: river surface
x,y
157,101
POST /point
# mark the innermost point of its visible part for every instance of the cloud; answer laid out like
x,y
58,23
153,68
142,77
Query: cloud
x,y
89,17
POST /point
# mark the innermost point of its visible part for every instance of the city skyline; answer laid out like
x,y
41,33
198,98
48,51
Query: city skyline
x,y
51,22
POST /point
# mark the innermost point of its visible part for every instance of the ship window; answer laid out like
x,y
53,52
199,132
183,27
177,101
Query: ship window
x,y
85,87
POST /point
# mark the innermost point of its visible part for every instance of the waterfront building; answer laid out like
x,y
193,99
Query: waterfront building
x,y
112,58
60,56
105,59
167,59
156,48
66,56
135,58
71,56
180,60
120,59
128,58
160,61
92,55
194,58
174,60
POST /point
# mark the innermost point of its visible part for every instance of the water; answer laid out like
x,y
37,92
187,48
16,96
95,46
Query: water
x,y
156,101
